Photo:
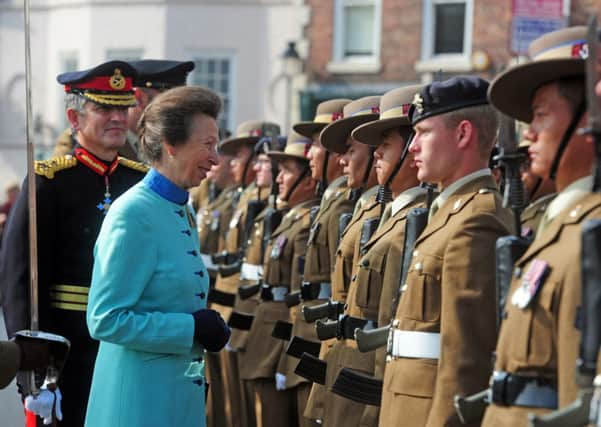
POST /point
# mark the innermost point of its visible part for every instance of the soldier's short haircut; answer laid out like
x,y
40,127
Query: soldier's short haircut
x,y
75,102
572,90
484,118
169,117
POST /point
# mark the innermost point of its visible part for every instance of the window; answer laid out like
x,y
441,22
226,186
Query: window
x,y
446,35
357,26
124,54
216,73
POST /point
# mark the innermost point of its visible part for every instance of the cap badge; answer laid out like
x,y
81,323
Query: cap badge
x,y
117,81
418,102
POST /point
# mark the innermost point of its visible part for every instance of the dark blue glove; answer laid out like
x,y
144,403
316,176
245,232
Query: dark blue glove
x,y
210,329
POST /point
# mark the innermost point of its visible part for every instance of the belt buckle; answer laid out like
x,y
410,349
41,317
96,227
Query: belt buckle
x,y
310,291
498,385
266,294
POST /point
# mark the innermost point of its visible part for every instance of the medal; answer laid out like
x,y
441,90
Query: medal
x,y
88,159
215,220
278,247
105,204
532,281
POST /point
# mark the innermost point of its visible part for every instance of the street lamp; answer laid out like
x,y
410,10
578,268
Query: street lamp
x,y
292,67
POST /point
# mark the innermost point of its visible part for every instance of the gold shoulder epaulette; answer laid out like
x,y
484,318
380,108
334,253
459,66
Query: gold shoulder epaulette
x,y
49,167
141,167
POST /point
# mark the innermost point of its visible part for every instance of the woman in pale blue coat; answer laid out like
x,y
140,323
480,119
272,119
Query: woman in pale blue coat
x,y
149,286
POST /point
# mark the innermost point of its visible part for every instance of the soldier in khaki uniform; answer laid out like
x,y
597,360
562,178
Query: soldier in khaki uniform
x,y
223,296
357,163
281,274
444,328
251,271
379,258
538,341
214,214
323,238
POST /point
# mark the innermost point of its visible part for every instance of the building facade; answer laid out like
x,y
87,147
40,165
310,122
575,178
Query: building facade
x,y
366,47
236,45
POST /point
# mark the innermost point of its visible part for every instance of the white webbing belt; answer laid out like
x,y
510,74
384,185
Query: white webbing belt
x,y
419,345
279,292
251,271
325,290
208,262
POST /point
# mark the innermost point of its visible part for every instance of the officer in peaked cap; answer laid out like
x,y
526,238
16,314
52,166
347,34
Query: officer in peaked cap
x,y
538,341
74,192
154,76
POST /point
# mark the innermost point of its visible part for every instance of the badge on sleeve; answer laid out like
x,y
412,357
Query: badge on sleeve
x,y
215,220
278,247
532,281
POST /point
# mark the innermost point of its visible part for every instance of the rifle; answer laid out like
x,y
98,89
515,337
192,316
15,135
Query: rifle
x,y
343,222
417,219
330,310
326,330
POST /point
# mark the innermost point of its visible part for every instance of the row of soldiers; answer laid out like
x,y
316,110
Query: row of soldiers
x,y
373,274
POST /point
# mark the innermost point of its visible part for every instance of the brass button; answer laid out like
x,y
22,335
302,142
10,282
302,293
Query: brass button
x,y
365,263
418,266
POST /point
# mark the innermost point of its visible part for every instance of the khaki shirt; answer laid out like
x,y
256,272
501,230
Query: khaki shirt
x,y
533,214
213,221
233,243
254,257
450,290
280,268
323,237
541,339
347,254
377,269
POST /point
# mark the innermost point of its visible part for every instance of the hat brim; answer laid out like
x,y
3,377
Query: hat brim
x,y
308,129
230,146
512,92
371,133
334,136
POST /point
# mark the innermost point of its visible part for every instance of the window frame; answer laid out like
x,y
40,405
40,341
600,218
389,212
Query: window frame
x,y
195,56
359,63
429,61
